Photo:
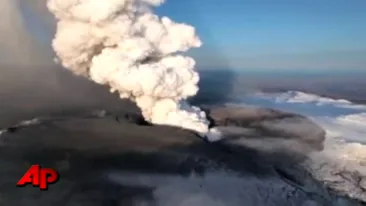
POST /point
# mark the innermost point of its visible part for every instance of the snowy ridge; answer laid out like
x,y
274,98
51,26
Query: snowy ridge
x,y
342,167
302,97
342,163
354,118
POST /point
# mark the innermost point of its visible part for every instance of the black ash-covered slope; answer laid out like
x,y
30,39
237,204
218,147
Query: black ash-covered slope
x,y
96,153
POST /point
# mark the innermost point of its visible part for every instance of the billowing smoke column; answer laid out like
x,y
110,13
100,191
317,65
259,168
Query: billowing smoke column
x,y
122,44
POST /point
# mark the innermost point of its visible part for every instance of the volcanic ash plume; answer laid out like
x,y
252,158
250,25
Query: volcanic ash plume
x,y
122,44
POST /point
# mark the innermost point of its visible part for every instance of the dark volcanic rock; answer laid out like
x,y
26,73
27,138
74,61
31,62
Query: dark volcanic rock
x,y
269,122
269,131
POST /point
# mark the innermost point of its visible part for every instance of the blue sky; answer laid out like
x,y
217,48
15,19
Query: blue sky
x,y
276,34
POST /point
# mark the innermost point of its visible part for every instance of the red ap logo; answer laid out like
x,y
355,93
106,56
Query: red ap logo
x,y
39,177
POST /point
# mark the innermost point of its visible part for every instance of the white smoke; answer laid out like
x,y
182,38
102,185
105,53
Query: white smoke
x,y
122,44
